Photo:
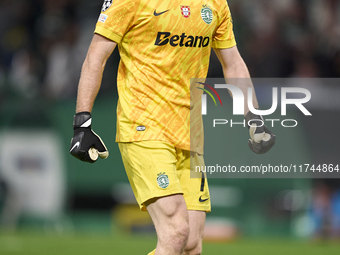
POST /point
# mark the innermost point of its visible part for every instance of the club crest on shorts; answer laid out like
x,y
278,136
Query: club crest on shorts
x,y
162,180
185,10
106,5
206,14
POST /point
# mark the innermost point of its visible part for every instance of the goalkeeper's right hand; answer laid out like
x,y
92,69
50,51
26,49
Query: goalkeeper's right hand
x,y
86,145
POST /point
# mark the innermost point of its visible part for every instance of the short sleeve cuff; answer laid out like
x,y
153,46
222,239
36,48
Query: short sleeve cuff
x,y
108,34
224,44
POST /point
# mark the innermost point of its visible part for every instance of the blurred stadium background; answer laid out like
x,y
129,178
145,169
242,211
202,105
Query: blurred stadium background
x,y
52,203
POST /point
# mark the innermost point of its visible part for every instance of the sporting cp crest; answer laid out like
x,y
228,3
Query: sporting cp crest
x,y
106,5
206,14
185,10
162,180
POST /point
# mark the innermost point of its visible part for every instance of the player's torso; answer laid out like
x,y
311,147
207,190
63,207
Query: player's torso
x,y
164,45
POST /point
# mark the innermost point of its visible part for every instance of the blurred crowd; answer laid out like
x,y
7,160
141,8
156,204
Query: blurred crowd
x,y
290,38
44,42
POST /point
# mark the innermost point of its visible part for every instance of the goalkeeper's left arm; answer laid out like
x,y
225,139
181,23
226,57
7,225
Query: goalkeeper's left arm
x,y
261,138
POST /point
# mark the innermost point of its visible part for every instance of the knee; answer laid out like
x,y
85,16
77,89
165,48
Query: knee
x,y
180,235
176,237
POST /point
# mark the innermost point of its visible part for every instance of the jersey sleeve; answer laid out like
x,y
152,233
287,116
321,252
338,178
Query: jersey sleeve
x,y
115,19
224,35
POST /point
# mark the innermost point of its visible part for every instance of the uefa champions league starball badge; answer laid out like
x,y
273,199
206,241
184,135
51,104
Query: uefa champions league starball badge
x,y
206,14
162,180
106,5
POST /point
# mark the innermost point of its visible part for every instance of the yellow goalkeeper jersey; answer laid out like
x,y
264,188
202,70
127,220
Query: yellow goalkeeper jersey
x,y
162,44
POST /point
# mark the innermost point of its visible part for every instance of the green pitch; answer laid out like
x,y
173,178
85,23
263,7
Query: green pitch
x,y
32,243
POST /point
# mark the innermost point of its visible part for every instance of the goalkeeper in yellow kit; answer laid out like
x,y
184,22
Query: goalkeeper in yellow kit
x,y
162,44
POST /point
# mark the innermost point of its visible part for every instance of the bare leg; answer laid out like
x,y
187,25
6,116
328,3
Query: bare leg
x,y
171,219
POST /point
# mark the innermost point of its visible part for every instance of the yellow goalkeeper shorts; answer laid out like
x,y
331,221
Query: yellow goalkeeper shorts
x,y
158,169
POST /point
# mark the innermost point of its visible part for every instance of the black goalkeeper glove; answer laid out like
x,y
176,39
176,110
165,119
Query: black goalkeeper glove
x,y
86,145
262,139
